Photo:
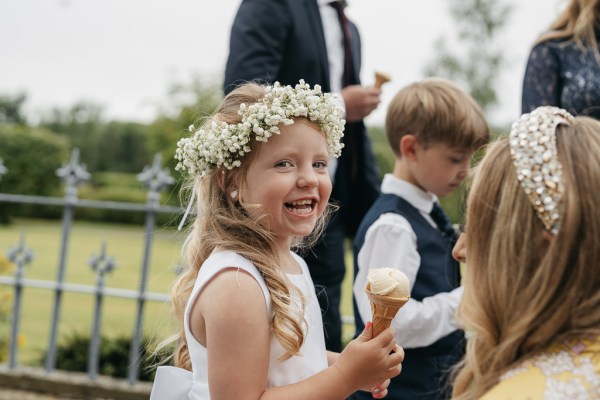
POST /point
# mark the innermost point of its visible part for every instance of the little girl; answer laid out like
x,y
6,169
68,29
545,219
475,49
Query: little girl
x,y
252,325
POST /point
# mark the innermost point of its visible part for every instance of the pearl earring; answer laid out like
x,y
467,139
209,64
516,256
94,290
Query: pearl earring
x,y
234,194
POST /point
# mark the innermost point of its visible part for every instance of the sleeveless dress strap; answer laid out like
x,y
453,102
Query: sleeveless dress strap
x,y
175,383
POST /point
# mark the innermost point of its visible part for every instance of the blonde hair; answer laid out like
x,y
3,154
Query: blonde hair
x,y
577,21
523,290
222,223
435,110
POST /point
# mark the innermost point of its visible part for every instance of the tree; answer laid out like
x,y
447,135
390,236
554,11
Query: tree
x,y
187,103
82,125
11,109
479,63
31,156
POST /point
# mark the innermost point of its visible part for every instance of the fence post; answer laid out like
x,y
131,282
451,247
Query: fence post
x,y
21,256
156,179
73,174
102,264
3,169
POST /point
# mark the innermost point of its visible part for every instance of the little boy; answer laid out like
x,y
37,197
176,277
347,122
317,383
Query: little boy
x,y
433,127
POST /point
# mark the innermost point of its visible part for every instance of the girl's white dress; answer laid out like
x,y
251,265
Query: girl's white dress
x,y
178,384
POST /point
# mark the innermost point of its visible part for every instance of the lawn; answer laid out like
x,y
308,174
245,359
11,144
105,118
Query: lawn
x,y
125,244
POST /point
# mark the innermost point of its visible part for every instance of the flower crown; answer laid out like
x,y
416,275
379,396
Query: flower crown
x,y
223,145
533,150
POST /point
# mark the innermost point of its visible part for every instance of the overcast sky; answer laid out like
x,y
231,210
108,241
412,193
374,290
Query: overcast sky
x,y
124,53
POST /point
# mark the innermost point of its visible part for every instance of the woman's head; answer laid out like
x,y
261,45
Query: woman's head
x,y
529,281
578,21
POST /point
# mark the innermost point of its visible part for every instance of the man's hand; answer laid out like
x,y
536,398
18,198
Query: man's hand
x,y
360,101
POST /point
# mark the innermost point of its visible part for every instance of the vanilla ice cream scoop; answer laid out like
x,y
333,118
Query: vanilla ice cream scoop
x,y
388,290
388,282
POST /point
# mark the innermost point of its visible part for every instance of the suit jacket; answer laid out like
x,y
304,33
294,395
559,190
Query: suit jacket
x,y
283,40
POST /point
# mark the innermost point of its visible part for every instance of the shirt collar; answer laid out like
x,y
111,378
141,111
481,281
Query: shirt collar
x,y
322,3
418,198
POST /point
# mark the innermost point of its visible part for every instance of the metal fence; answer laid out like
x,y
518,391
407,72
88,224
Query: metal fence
x,y
73,174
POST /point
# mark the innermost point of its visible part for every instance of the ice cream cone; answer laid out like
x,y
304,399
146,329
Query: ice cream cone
x,y
380,79
384,309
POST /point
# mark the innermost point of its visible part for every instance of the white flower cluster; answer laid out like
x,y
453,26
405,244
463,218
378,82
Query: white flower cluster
x,y
224,144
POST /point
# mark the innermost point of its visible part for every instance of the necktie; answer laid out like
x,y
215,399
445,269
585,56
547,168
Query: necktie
x,y
345,25
441,220
347,79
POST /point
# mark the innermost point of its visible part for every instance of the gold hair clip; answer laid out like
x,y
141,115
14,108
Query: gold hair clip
x,y
533,150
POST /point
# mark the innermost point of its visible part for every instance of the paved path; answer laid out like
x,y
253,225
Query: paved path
x,y
21,395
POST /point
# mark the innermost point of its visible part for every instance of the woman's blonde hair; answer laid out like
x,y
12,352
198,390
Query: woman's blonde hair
x,y
222,223
577,22
526,290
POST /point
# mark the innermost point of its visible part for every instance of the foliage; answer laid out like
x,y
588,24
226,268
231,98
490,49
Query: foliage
x,y
117,186
188,103
31,156
103,146
384,157
31,153
478,66
123,147
126,146
81,125
11,109
72,355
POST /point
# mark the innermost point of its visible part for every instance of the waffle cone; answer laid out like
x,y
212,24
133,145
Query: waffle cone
x,y
380,79
384,309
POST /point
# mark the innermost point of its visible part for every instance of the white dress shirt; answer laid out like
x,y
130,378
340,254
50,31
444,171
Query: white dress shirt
x,y
334,41
391,242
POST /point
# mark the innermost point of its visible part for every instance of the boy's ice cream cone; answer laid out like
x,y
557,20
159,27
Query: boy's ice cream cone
x,y
380,79
388,290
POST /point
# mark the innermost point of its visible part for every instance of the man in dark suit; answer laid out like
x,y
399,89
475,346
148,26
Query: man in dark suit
x,y
289,40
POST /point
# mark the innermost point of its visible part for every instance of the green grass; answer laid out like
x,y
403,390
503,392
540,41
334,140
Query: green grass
x,y
124,243
346,301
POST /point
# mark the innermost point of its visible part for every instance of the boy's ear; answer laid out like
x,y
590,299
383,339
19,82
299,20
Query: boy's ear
x,y
408,146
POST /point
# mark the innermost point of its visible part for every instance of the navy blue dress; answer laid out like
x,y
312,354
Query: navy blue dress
x,y
561,74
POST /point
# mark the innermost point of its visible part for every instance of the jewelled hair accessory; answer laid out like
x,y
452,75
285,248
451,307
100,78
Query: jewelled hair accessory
x,y
533,150
223,145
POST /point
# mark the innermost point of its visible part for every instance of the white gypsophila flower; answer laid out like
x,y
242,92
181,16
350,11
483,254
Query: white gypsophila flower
x,y
223,145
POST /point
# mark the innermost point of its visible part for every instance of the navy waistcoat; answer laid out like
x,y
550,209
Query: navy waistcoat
x,y
425,369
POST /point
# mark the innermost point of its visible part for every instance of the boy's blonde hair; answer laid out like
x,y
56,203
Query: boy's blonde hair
x,y
223,224
525,291
435,110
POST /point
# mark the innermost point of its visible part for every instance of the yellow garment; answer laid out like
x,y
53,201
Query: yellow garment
x,y
565,372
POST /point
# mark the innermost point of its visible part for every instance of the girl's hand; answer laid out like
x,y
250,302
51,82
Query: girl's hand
x,y
379,391
367,364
